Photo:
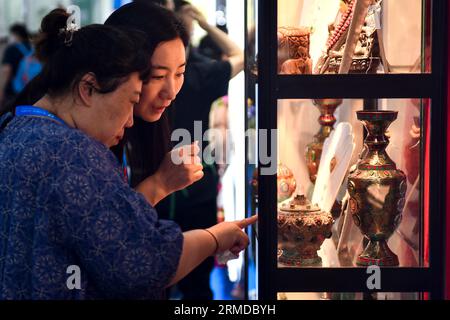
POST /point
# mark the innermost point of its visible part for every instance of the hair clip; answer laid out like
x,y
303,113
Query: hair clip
x,y
72,24
68,34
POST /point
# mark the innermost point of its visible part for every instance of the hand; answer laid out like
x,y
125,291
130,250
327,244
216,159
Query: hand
x,y
230,236
180,168
198,16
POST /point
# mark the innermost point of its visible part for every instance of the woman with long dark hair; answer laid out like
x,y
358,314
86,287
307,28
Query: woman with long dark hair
x,y
147,144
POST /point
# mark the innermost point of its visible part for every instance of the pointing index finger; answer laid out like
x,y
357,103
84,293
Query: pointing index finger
x,y
246,222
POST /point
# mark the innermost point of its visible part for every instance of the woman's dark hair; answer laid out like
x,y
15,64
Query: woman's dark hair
x,y
109,53
149,141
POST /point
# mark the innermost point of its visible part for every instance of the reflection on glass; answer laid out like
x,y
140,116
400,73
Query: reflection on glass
x,y
251,169
349,36
350,296
367,184
251,41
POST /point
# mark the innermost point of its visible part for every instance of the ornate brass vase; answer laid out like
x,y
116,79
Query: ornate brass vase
x,y
327,107
377,191
302,228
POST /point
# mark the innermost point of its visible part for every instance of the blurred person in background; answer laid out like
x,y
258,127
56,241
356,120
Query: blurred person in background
x,y
209,48
18,48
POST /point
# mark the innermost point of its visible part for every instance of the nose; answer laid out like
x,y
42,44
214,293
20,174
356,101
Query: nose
x,y
169,92
130,121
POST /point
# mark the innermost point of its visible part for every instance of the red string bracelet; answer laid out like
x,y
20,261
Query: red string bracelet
x,y
215,239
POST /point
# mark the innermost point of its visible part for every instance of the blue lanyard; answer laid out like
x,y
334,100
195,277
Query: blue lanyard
x,y
32,111
22,111
125,165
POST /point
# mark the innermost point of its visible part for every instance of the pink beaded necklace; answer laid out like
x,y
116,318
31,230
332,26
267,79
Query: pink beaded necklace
x,y
341,28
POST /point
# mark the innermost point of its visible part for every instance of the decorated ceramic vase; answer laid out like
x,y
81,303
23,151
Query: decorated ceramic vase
x,y
377,191
286,183
302,228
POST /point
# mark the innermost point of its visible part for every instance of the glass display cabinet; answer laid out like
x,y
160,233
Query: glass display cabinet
x,y
345,160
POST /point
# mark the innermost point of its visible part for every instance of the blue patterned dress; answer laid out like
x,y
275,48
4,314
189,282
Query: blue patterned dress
x,y
64,202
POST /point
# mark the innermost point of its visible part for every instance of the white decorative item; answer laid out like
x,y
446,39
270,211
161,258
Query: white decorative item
x,y
336,155
74,21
